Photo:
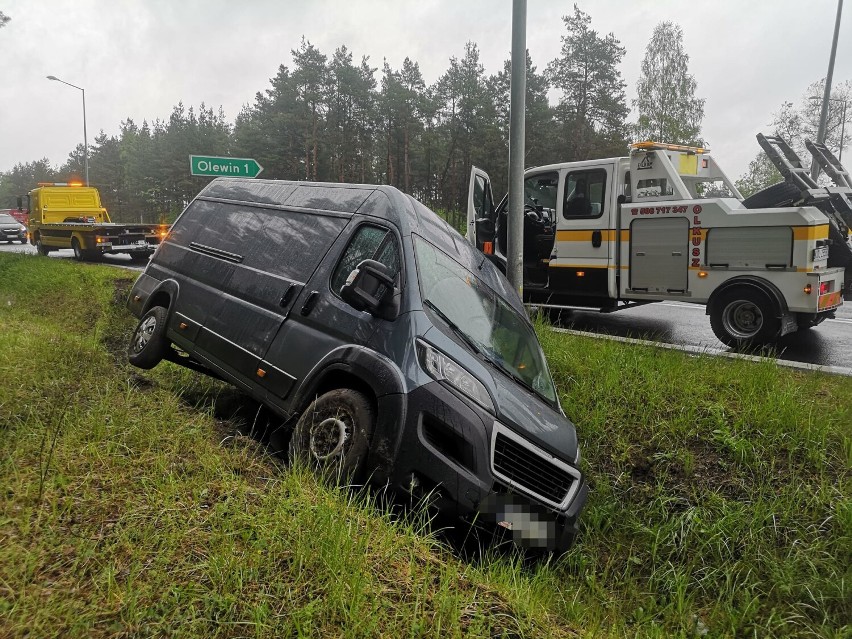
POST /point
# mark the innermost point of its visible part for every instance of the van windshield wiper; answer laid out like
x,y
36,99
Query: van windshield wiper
x,y
510,373
458,331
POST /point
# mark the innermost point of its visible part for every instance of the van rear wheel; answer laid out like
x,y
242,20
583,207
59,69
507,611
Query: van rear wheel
x,y
149,343
333,434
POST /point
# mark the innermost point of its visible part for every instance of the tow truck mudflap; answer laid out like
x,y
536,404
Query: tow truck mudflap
x,y
789,324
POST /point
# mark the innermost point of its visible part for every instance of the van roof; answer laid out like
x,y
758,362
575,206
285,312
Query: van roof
x,y
384,202
381,201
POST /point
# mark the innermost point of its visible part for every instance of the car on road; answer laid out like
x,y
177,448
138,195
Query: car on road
x,y
11,230
398,352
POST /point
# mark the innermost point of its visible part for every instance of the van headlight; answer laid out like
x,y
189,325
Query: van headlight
x,y
448,370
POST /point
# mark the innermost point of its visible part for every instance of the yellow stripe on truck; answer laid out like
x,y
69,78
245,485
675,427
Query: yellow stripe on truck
x,y
585,235
583,266
819,232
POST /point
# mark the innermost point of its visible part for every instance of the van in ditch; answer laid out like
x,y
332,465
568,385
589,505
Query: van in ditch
x,y
400,353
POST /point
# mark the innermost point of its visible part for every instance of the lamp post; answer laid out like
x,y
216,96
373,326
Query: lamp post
x,y
85,137
842,121
823,116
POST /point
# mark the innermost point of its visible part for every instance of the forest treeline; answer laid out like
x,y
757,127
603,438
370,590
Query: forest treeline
x,y
335,118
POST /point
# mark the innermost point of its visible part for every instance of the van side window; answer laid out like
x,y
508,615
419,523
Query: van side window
x,y
368,243
585,194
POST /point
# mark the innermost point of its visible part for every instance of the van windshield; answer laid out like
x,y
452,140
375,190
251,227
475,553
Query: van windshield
x,y
489,324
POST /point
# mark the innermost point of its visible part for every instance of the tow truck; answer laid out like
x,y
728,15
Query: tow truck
x,y
65,215
666,223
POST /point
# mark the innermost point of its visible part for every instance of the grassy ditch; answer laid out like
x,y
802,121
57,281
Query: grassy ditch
x,y
131,507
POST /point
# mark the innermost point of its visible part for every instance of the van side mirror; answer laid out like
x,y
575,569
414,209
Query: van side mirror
x,y
369,287
20,203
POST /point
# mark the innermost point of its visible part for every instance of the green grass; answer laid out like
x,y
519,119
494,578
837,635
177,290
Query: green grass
x,y
131,506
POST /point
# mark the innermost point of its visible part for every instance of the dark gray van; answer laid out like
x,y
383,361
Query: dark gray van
x,y
401,353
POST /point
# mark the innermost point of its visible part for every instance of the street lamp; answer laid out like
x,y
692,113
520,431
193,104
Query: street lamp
x,y
85,137
842,121
826,96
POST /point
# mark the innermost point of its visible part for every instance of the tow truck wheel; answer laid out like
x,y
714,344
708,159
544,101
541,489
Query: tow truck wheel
x,y
333,434
79,254
745,316
41,249
149,342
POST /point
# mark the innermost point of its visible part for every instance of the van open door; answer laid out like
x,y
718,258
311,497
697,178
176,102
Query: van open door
x,y
481,217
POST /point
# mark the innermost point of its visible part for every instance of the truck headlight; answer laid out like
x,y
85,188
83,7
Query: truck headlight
x,y
448,370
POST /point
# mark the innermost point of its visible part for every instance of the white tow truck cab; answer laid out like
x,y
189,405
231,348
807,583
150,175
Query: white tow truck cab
x,y
665,223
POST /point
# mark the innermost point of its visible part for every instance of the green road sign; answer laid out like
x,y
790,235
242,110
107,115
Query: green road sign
x,y
212,165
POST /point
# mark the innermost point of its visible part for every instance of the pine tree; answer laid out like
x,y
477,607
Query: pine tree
x,y
592,108
668,109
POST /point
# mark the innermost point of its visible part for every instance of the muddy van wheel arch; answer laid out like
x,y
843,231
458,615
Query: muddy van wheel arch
x,y
334,433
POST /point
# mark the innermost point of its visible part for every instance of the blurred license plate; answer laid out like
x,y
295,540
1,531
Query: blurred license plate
x,y
820,253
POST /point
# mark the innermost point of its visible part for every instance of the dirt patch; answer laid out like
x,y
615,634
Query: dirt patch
x,y
698,466
140,382
117,330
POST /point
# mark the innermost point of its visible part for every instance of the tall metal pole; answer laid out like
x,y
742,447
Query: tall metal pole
x,y
517,110
85,139
85,135
823,116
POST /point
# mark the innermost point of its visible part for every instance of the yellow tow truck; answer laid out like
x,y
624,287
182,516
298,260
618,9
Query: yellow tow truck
x,y
70,216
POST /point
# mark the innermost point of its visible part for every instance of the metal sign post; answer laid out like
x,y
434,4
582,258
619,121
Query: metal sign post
x,y
517,110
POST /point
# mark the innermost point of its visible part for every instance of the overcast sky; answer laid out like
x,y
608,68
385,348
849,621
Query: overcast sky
x,y
137,59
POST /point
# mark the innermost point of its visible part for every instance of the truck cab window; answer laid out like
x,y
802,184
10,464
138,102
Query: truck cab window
x,y
540,192
482,198
585,194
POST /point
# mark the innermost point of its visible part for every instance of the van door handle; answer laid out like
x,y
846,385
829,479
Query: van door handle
x,y
640,254
288,296
309,304
676,253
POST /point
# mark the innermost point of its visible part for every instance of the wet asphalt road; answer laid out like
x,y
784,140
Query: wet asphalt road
x,y
829,344
67,254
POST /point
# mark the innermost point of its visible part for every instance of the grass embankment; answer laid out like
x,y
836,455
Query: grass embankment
x,y
720,503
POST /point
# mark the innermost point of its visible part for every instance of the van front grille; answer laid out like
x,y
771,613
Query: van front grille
x,y
530,471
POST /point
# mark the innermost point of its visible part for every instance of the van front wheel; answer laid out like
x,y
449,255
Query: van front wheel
x,y
333,434
149,343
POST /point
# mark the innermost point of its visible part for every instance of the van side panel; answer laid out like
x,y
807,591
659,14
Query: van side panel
x,y
266,255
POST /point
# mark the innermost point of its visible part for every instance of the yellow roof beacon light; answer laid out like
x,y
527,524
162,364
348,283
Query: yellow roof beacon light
x,y
648,145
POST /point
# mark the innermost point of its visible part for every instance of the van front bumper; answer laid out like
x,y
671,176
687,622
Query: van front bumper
x,y
445,458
